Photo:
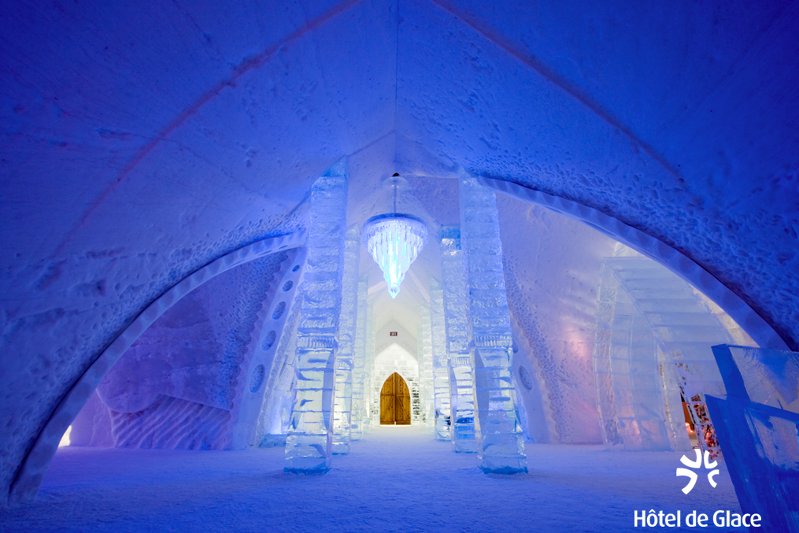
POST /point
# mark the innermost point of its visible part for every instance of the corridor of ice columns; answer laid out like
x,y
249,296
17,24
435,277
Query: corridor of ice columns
x,y
540,238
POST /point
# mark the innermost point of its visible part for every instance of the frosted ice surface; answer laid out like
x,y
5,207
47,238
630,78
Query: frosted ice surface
x,y
500,445
758,428
308,445
359,363
441,391
456,313
342,412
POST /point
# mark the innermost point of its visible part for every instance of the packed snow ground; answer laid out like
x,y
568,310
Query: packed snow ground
x,y
398,479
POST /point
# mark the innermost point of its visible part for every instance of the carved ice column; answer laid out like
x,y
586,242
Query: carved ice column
x,y
456,313
371,404
308,444
342,410
359,365
501,446
441,393
425,350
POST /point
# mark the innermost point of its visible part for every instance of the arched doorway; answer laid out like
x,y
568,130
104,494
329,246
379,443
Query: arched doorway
x,y
395,401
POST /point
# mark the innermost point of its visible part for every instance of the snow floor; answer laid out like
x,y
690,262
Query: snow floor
x,y
397,479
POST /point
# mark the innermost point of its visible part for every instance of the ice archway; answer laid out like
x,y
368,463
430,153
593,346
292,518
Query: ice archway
x,y
129,166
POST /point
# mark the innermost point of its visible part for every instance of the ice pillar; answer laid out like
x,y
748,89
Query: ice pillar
x,y
359,365
441,397
456,313
372,404
500,442
425,349
342,409
308,444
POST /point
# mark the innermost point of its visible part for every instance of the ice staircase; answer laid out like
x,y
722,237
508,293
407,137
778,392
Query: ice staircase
x,y
654,342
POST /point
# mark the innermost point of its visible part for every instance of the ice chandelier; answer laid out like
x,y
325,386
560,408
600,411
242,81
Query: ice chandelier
x,y
394,240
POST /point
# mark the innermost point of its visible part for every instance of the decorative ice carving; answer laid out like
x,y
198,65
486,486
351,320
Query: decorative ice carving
x,y
425,350
342,412
500,445
757,426
308,445
456,312
359,364
394,241
441,392
653,334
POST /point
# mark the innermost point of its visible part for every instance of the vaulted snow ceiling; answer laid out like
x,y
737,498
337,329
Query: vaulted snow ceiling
x,y
142,140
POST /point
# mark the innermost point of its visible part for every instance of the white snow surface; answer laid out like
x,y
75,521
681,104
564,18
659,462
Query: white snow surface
x,y
397,479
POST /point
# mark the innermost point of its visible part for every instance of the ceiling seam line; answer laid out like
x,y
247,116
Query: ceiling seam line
x,y
245,66
396,77
534,64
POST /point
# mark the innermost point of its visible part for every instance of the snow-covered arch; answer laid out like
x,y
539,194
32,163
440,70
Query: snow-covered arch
x,y
29,476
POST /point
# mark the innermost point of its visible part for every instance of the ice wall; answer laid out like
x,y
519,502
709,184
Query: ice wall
x,y
552,275
196,364
275,416
757,425
699,152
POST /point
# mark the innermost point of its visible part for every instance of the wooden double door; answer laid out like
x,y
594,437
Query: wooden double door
x,y
395,401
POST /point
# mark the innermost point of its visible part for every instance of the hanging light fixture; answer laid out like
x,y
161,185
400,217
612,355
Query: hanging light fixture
x,y
394,240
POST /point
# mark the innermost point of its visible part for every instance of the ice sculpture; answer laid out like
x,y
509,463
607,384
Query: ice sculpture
x,y
757,426
308,440
638,409
500,442
456,313
394,240
342,409
653,330
441,392
359,365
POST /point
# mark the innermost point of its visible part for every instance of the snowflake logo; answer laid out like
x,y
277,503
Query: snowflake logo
x,y
696,465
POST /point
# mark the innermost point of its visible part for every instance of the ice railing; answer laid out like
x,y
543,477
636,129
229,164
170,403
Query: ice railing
x,y
758,429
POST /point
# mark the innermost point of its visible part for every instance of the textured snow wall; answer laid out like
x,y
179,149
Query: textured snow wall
x,y
552,270
698,152
183,381
29,474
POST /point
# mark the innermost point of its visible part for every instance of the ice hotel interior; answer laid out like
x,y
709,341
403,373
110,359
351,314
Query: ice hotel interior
x,y
399,265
